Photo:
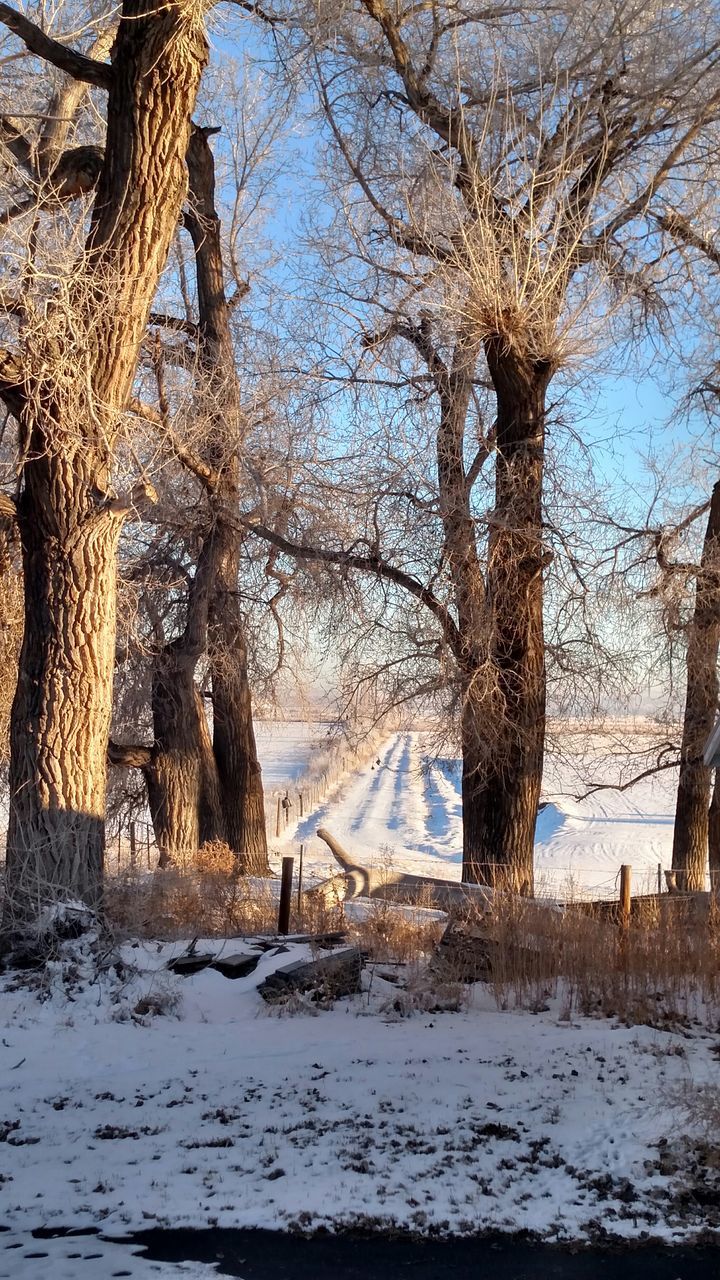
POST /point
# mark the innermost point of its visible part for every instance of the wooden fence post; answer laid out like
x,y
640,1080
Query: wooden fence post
x,y
300,802
625,892
278,818
285,894
300,869
660,877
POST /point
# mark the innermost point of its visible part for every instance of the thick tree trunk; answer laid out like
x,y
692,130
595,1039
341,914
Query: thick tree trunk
x,y
181,776
61,711
233,732
75,377
503,751
690,838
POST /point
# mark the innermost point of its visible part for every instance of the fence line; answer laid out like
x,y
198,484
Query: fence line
x,y
308,792
134,848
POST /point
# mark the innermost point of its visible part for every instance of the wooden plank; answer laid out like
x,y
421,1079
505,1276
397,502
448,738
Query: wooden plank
x,y
337,974
238,965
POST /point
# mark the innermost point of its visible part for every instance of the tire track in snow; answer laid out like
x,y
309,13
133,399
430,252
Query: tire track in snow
x,y
383,812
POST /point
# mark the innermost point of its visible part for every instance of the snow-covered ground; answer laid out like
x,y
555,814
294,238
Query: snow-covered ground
x,y
405,807
288,749
219,1111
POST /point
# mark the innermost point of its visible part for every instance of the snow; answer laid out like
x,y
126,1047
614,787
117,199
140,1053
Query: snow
x,y
85,1257
220,1111
406,812
288,748
224,1113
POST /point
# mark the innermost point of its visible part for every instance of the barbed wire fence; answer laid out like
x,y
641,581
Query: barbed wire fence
x,y
132,848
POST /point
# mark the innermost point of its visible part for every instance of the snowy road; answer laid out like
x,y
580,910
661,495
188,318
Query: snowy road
x,y
405,809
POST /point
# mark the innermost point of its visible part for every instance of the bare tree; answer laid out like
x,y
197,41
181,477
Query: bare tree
x,y
697,825
499,168
67,378
201,789
690,837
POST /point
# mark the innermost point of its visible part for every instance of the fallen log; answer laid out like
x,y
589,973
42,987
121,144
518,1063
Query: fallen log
x,y
334,975
396,886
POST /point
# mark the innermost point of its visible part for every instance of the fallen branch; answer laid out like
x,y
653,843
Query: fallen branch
x,y
397,886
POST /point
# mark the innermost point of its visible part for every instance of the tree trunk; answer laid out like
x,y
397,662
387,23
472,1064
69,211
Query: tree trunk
x,y
238,767
181,776
233,732
690,838
76,376
61,711
200,789
503,755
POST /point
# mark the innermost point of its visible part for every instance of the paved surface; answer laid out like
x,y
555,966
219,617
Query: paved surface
x,y
264,1255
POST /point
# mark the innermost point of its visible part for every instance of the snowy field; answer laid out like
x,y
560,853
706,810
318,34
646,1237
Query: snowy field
x,y
288,749
406,810
219,1111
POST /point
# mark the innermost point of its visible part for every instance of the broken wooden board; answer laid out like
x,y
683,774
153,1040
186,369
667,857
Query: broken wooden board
x,y
269,943
238,965
337,974
188,964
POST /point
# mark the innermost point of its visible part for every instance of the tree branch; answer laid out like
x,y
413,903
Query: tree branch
x,y
176,324
59,55
64,106
678,226
420,338
371,563
206,474
16,143
448,125
400,232
625,786
641,202
128,756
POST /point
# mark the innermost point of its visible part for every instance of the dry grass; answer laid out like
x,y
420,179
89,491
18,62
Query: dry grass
x,y
397,935
208,899
661,968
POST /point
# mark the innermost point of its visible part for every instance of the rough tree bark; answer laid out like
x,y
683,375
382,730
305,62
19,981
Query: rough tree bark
x,y
200,789
499,649
67,388
690,838
234,746
502,789
181,776
235,750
